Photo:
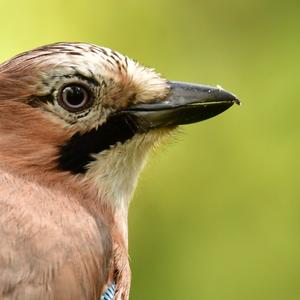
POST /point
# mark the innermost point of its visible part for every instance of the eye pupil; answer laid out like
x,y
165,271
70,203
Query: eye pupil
x,y
74,97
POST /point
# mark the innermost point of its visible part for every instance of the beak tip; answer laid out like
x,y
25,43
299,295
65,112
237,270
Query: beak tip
x,y
233,97
237,101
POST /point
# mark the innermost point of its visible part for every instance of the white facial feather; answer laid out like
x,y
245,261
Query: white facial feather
x,y
115,171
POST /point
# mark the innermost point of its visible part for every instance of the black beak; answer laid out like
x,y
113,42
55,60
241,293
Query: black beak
x,y
186,103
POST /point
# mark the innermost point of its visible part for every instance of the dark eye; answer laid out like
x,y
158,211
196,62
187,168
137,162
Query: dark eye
x,y
75,98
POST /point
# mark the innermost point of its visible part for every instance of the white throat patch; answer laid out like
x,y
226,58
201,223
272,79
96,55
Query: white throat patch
x,y
115,171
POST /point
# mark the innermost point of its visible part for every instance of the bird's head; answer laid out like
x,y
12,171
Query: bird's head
x,y
93,113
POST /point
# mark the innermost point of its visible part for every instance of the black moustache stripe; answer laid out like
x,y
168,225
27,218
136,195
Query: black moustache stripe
x,y
76,153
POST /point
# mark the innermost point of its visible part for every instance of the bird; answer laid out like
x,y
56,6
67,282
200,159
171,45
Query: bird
x,y
77,122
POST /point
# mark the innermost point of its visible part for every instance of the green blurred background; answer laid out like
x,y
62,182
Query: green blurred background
x,y
217,211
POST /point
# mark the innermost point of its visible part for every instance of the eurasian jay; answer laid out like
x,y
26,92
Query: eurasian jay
x,y
76,124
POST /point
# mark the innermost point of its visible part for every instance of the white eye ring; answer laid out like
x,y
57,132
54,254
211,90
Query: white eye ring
x,y
75,97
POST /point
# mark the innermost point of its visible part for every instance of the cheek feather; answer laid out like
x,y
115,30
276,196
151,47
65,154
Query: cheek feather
x,y
29,138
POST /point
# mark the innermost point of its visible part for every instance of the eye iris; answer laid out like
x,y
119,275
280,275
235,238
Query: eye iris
x,y
74,96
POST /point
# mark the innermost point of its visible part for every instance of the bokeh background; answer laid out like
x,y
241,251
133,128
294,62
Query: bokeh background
x,y
217,211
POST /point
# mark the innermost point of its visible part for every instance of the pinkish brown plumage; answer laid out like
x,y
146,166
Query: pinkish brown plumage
x,y
76,124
